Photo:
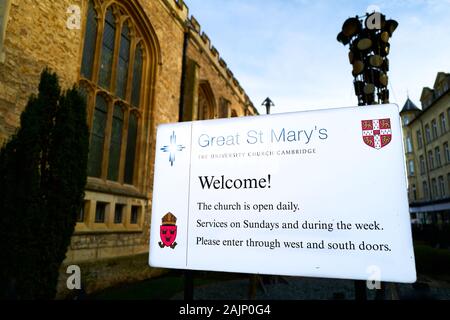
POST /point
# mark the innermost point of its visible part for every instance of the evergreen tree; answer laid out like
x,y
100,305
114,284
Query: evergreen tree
x,y
42,179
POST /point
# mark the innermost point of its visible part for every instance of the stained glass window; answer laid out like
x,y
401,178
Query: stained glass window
x,y
122,66
131,149
137,76
115,144
97,137
109,34
90,37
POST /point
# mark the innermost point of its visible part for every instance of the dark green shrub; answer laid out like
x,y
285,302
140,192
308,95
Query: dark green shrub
x,y
42,179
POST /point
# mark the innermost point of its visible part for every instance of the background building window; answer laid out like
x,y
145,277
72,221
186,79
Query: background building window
x,y
443,123
414,192
448,182
411,167
447,152
419,139
437,155
409,146
427,133
448,114
405,120
430,160
426,191
441,186
422,164
112,68
434,188
435,128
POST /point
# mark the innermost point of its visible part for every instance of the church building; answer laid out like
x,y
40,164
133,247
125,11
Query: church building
x,y
139,63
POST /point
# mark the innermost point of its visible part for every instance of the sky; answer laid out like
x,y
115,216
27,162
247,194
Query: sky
x,y
287,49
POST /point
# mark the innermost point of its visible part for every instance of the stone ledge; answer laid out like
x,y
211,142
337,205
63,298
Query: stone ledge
x,y
98,185
105,232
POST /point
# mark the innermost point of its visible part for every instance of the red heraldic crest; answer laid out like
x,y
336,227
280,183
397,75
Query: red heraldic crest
x,y
376,133
168,231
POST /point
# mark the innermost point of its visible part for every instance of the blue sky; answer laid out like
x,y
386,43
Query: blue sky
x,y
287,49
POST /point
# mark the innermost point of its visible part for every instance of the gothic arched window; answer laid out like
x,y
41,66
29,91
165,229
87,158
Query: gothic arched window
x,y
206,102
112,76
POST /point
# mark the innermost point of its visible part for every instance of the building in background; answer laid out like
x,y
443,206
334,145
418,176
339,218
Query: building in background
x,y
139,63
427,135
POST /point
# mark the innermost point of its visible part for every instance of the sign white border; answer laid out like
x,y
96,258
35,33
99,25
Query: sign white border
x,y
317,160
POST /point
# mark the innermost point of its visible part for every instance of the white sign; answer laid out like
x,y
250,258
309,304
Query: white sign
x,y
318,194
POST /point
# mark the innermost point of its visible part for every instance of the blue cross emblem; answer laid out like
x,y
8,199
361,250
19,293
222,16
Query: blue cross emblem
x,y
172,148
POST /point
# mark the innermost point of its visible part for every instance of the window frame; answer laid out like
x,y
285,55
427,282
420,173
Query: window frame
x,y
426,190
409,144
434,188
135,215
139,35
447,152
98,205
122,208
443,123
83,213
448,181
423,164
419,139
448,115
411,168
405,120
427,133
437,156
441,186
431,160
434,129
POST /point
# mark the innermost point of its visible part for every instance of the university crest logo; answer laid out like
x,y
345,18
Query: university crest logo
x,y
168,231
376,133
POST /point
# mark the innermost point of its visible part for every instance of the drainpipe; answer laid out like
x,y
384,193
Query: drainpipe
x,y
183,69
